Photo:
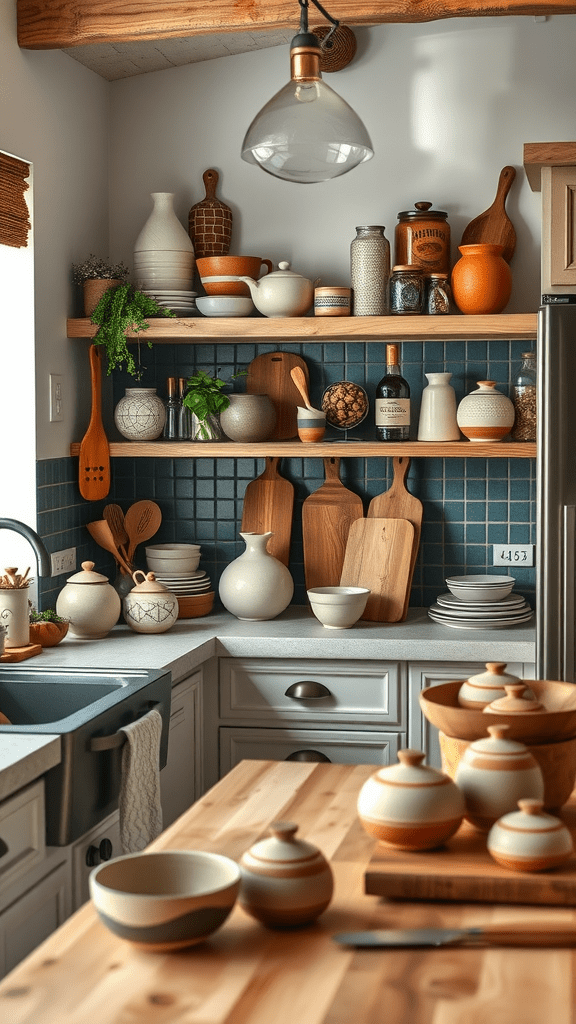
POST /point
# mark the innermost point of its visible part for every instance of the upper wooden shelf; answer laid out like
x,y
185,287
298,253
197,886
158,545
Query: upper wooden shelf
x,y
513,326
297,450
546,154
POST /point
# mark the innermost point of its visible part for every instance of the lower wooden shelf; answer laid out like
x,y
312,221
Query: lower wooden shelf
x,y
297,450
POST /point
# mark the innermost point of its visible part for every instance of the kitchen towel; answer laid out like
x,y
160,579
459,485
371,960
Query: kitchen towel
x,y
139,802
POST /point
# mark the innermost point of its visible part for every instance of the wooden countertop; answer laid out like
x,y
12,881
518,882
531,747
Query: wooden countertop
x,y
247,974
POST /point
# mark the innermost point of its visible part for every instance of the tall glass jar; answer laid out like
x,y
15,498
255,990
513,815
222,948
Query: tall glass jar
x,y
370,271
523,396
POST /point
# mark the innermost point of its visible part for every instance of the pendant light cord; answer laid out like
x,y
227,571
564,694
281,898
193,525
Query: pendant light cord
x,y
304,20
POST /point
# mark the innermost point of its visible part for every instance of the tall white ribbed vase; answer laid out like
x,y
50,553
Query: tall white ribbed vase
x,y
256,586
163,252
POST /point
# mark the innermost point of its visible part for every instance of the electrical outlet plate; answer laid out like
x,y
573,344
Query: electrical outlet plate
x,y
56,398
513,554
63,561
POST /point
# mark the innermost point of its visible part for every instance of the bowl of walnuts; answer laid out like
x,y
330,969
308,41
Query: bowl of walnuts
x,y
345,404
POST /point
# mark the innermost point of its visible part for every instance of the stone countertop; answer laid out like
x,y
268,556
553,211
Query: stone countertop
x,y
25,758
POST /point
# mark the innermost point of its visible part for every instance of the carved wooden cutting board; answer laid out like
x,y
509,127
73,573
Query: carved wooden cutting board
x,y
327,516
269,374
268,506
398,503
378,556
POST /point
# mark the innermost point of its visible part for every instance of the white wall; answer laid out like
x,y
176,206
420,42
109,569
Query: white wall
x,y
448,104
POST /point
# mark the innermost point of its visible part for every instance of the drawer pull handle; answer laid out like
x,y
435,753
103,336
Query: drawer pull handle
x,y
308,755
307,689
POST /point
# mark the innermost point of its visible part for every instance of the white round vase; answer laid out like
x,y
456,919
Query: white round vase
x,y
256,586
163,252
140,415
438,410
485,414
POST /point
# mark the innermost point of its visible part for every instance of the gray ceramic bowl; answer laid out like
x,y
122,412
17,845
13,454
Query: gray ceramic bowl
x,y
167,900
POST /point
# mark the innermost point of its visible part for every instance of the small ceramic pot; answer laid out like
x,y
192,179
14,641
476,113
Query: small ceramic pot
x,y
90,604
529,839
311,425
140,415
481,279
485,687
485,414
410,805
332,301
248,418
494,774
285,881
149,607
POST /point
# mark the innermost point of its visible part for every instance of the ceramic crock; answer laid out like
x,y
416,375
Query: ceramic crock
x,y
484,687
90,604
248,418
494,774
528,839
140,415
149,607
481,279
410,805
256,586
485,414
14,616
285,881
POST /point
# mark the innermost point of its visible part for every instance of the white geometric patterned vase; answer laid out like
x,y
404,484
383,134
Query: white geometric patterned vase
x,y
140,415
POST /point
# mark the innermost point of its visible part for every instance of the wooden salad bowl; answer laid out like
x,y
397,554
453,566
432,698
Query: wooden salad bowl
x,y
557,721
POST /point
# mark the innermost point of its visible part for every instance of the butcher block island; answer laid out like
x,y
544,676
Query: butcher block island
x,y
248,974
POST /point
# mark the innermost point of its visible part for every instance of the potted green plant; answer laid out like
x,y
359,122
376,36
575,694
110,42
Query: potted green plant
x,y
96,275
205,399
122,309
46,628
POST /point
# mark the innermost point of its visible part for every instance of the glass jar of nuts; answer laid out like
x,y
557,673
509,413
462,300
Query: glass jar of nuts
x,y
523,395
345,404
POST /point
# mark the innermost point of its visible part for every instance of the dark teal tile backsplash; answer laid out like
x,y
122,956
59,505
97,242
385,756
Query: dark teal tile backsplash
x,y
469,504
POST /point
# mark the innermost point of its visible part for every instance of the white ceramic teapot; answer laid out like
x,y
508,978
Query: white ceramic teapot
x,y
283,293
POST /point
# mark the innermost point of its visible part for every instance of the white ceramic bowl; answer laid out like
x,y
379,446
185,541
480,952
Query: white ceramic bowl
x,y
167,900
338,607
177,559
225,305
479,589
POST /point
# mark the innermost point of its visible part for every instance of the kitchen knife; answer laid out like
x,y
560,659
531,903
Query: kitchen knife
x,y
529,933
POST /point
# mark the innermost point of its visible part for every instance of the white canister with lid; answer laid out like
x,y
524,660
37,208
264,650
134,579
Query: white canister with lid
x,y
410,805
149,607
285,881
481,689
494,774
90,604
528,839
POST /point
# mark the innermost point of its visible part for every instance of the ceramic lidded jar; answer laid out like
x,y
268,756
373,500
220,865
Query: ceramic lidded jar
x,y
285,881
484,687
528,839
494,774
149,607
410,805
481,279
256,586
248,418
516,702
485,414
90,604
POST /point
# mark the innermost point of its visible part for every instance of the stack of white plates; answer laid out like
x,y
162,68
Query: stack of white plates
x,y
181,302
453,611
189,585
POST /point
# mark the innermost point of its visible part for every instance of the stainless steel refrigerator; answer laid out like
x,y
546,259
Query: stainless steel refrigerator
x,y
556,492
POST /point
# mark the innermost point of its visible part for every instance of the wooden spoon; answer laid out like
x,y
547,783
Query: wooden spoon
x,y
102,534
494,225
142,521
114,516
299,379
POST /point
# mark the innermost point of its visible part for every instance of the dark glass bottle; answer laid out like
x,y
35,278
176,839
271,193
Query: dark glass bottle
x,y
392,406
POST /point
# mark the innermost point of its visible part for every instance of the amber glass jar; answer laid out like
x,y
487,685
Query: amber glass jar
x,y
422,237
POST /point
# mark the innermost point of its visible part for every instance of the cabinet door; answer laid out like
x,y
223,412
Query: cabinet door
x,y
181,778
34,917
558,229
343,747
98,845
422,735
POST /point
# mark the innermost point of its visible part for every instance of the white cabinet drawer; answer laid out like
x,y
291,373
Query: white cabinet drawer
x,y
363,692
343,747
22,833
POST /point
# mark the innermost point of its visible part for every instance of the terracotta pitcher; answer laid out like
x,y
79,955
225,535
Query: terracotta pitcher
x,y
481,279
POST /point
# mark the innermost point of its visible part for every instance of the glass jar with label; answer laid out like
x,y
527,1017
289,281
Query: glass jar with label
x,y
437,294
422,237
406,290
523,396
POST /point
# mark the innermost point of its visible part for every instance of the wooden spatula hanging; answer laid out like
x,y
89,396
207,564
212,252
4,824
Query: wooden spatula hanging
x,y
94,461
494,225
398,503
268,506
327,516
378,556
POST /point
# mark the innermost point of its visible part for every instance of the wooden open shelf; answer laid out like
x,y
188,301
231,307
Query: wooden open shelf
x,y
297,450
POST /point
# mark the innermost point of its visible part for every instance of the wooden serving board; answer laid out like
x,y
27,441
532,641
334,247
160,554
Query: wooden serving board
x,y
378,555
269,374
463,870
268,506
494,225
398,503
20,653
327,516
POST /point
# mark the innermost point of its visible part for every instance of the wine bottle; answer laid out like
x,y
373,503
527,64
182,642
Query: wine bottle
x,y
392,412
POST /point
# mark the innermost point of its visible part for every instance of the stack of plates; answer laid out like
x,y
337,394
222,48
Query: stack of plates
x,y
191,585
181,302
453,611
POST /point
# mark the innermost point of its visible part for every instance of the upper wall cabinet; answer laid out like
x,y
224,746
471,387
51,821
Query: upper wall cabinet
x,y
551,170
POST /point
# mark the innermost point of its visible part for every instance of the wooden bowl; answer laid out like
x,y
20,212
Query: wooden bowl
x,y
196,606
440,706
47,634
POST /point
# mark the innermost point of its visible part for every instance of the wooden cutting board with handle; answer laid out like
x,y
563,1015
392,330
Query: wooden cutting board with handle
x,y
378,555
494,225
327,516
269,374
268,506
398,503
94,460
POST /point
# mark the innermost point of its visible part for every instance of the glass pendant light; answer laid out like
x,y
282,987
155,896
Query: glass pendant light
x,y
306,132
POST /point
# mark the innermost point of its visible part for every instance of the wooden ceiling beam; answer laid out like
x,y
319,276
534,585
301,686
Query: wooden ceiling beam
x,y
57,24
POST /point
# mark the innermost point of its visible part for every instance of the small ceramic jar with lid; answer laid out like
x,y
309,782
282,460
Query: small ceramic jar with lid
x,y
285,882
485,687
149,607
494,774
516,702
485,414
90,604
410,805
528,839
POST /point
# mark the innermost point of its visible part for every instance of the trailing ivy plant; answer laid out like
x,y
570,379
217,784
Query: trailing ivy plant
x,y
205,398
123,309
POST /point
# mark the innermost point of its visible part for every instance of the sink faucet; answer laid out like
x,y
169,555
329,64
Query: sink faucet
x,y
42,556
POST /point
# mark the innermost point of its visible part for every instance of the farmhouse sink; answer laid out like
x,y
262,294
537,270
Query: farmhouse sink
x,y
86,708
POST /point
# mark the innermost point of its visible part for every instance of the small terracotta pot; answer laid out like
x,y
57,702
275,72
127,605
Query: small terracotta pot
x,y
94,289
481,279
47,634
